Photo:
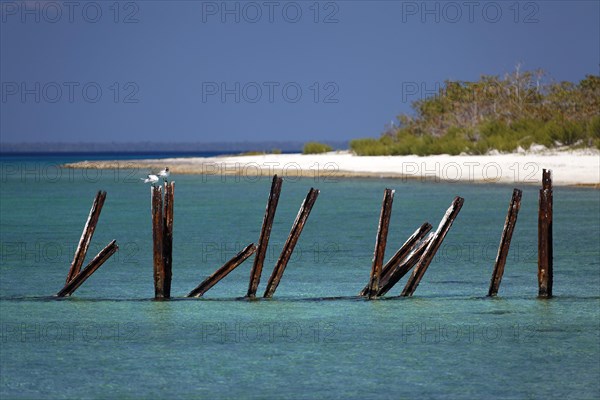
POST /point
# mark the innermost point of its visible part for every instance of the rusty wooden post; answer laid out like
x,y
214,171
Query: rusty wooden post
x,y
507,232
545,272
400,255
157,239
265,233
402,268
168,237
82,276
432,247
380,242
291,241
86,236
223,271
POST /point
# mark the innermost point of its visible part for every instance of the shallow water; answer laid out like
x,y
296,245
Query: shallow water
x,y
315,338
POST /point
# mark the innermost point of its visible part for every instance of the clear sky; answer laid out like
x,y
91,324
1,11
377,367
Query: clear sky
x,y
267,70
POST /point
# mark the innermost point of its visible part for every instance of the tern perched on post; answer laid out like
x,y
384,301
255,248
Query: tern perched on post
x,y
164,173
150,179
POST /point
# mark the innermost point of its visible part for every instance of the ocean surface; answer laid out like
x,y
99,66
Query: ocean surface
x,y
315,338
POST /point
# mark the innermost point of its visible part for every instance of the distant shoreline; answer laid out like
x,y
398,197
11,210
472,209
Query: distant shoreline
x,y
570,168
230,147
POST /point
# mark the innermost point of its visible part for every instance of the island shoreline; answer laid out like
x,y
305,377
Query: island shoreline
x,y
579,168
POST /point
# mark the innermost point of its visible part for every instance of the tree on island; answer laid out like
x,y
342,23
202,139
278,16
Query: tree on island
x,y
493,113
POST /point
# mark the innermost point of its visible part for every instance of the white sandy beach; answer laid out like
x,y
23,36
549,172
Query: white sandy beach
x,y
577,167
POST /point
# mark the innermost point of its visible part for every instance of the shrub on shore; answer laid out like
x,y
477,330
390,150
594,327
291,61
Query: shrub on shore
x,y
259,153
316,148
495,114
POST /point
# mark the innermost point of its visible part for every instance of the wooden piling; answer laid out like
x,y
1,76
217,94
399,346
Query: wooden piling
x,y
545,267
223,271
400,255
265,234
404,267
86,236
83,275
507,232
291,241
432,247
157,239
168,237
380,242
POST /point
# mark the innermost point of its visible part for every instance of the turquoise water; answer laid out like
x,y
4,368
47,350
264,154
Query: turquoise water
x,y
314,339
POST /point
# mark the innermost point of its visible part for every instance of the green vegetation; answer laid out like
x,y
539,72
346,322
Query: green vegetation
x,y
316,148
259,153
495,114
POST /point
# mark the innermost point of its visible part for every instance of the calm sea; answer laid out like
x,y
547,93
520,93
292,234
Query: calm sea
x,y
315,338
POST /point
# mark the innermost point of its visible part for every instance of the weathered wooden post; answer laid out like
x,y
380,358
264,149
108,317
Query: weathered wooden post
x,y
157,240
86,236
223,271
400,255
168,238
291,241
265,234
403,267
545,272
380,242
432,247
507,232
81,277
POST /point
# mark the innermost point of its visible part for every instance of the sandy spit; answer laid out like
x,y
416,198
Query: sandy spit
x,y
569,168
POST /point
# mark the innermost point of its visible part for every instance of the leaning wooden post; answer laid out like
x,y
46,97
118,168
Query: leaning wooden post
x,y
86,236
545,236
265,233
380,242
81,277
400,255
290,243
404,267
507,232
223,271
157,239
432,247
168,237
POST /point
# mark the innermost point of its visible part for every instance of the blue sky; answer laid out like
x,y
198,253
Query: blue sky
x,y
254,71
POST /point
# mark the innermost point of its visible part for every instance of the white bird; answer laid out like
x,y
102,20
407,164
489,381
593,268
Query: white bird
x,y
150,179
164,173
